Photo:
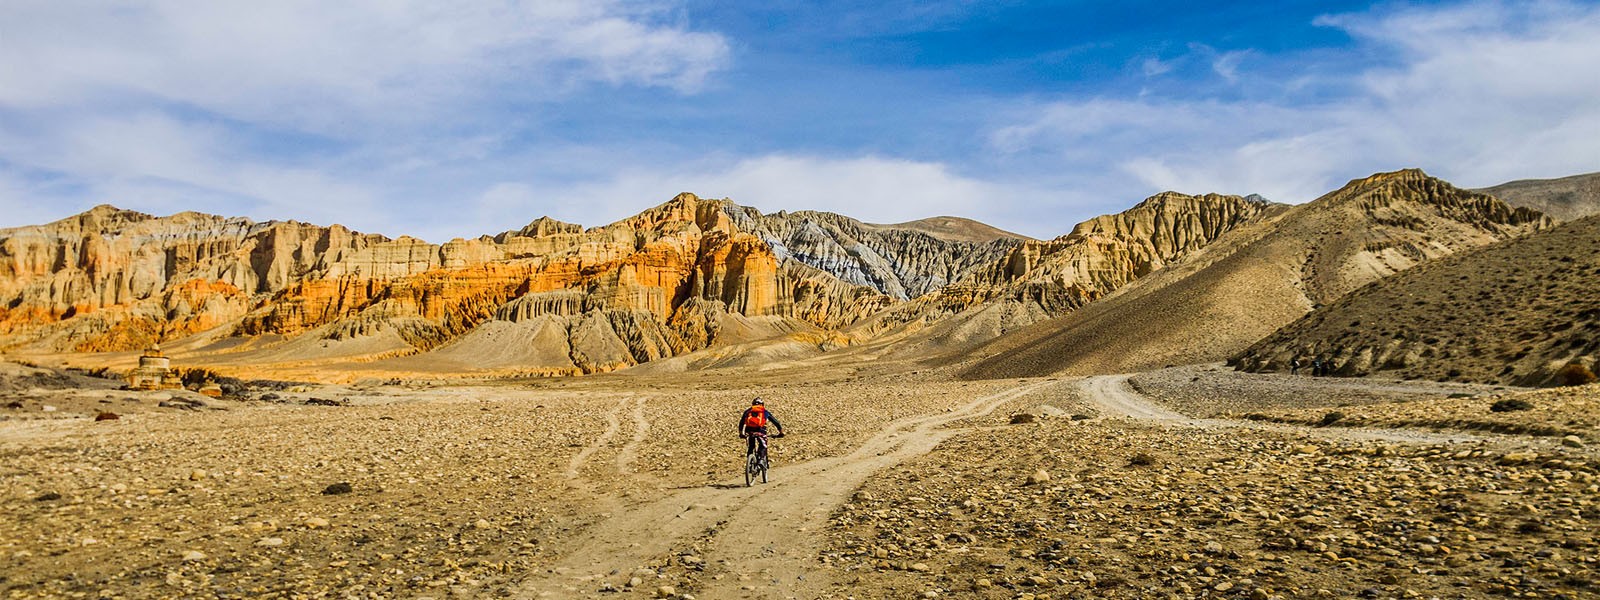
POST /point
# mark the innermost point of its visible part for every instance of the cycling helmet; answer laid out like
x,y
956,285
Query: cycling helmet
x,y
756,402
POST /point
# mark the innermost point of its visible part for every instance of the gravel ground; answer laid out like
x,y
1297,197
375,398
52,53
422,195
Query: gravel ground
x,y
1058,509
1560,412
453,490
1214,390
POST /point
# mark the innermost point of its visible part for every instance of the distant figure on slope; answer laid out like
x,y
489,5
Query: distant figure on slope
x,y
1294,366
754,420
1316,367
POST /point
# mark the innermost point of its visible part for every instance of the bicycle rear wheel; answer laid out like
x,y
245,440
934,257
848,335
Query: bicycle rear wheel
x,y
750,463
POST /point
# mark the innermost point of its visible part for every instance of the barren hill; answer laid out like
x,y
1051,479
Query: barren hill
x,y
954,229
1511,313
1563,199
1257,278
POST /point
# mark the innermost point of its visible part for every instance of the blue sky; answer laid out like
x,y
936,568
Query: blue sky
x,y
406,118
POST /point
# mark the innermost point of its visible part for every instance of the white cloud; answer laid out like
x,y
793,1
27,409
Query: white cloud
x,y
302,109
1226,64
1478,93
152,162
321,65
1154,67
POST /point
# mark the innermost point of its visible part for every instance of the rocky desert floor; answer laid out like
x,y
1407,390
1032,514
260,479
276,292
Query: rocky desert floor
x,y
1188,482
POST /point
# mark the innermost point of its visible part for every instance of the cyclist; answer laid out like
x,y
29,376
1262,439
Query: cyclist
x,y
754,420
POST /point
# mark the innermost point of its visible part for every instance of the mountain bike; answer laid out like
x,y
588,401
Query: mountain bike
x,y
757,462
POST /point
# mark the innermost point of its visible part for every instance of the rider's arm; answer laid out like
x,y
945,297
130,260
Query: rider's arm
x,y
775,423
742,417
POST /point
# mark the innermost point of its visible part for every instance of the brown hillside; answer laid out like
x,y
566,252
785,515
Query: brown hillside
x,y
1562,199
1511,313
954,229
1260,277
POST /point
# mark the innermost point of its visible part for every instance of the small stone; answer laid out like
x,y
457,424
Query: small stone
x,y
197,475
920,567
337,488
483,524
316,523
635,582
269,542
1259,594
1021,418
1223,586
193,555
983,584
1038,477
1213,548
1517,458
1572,441
666,591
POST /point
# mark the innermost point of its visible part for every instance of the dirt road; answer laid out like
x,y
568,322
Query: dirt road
x,y
756,542
1116,398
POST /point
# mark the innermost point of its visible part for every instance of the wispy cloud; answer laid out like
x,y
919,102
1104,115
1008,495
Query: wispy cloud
x,y
317,64
1478,93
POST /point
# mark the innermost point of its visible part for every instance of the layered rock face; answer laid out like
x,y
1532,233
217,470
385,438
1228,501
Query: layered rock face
x,y
902,261
1044,279
1512,313
655,285
132,279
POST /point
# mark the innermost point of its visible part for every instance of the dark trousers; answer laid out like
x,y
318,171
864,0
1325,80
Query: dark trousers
x,y
750,438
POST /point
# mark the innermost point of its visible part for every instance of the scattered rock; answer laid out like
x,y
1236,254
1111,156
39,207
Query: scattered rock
x,y
197,475
316,523
1572,441
269,542
106,416
47,497
1038,477
342,487
666,591
193,555
1518,458
1021,418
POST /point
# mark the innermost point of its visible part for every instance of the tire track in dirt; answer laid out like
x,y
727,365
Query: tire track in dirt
x,y
641,428
613,425
744,527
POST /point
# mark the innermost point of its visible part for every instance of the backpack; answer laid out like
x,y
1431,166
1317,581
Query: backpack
x,y
755,417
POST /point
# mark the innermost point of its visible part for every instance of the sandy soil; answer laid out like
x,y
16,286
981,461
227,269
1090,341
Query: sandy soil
x,y
891,486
